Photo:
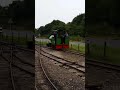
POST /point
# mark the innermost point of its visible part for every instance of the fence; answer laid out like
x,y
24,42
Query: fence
x,y
16,38
89,48
77,47
106,51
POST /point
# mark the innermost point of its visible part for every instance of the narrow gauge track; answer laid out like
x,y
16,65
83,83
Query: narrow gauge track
x,y
102,64
68,51
23,61
16,46
14,50
18,59
45,74
11,75
64,62
19,67
8,54
94,62
11,65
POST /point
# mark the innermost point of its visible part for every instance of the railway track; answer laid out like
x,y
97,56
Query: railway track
x,y
88,61
11,74
92,61
64,62
16,46
17,58
102,64
19,66
67,51
16,62
44,72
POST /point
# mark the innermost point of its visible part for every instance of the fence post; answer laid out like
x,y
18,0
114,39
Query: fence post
x,y
12,37
71,46
105,49
18,37
88,48
40,42
33,38
6,37
2,36
26,37
78,47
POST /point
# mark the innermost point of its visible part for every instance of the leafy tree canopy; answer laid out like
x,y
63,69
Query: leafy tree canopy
x,y
76,27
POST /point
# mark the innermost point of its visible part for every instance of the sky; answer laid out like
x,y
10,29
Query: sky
x,y
6,2
64,10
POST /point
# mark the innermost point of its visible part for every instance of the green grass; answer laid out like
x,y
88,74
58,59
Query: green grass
x,y
43,37
79,48
112,54
41,43
76,38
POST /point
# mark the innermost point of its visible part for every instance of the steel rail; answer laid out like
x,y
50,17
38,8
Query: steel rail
x,y
63,59
23,61
102,64
11,71
68,63
67,50
22,69
40,63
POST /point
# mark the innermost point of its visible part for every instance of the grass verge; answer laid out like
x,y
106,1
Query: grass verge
x,y
112,55
16,40
79,48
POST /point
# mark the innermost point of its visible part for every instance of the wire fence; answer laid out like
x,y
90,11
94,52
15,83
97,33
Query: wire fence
x,y
17,38
107,51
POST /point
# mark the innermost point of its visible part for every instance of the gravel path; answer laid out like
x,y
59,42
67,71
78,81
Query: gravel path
x,y
109,79
63,77
40,80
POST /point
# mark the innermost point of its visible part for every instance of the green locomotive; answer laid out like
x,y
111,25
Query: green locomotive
x,y
59,39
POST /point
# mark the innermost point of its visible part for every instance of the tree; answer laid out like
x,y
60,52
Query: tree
x,y
76,27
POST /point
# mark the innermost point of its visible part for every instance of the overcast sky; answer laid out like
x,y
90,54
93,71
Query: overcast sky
x,y
64,10
6,2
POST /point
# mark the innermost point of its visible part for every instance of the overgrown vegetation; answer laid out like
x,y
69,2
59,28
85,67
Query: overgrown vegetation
x,y
17,40
21,13
103,17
